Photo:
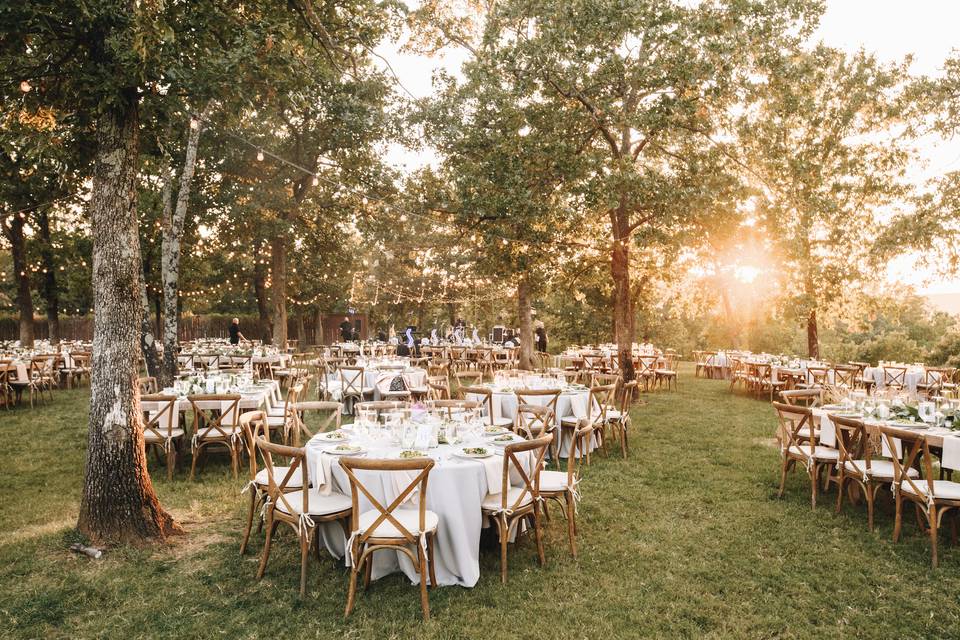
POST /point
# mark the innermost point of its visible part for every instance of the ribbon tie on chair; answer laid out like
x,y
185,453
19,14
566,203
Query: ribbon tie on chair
x,y
304,524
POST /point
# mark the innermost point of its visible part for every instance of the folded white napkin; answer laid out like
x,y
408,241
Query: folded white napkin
x,y
951,452
828,432
493,467
319,465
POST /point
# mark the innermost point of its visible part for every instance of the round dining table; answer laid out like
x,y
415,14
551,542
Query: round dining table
x,y
455,490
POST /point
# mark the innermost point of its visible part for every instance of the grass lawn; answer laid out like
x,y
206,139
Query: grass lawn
x,y
686,538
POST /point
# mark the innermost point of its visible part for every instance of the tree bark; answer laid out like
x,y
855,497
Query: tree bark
x,y
21,275
173,221
260,290
813,336
119,503
278,290
623,320
526,324
148,341
50,294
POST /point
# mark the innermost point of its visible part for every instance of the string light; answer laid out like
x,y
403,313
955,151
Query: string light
x,y
25,86
259,155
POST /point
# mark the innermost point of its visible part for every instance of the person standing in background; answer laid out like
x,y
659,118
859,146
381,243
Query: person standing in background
x,y
541,339
346,330
235,335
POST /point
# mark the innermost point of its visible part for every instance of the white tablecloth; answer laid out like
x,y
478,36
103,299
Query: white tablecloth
x,y
455,491
416,376
573,403
913,376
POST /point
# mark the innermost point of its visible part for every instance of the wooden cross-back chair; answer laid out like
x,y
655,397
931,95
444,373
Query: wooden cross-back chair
x,y
380,407
817,376
857,463
467,378
328,417
562,486
894,377
292,502
792,422
592,364
764,380
161,428
514,504
352,387
216,424
803,397
486,362
535,421
844,376
454,407
391,527
439,387
598,404
667,373
933,498
7,369
700,363
485,395
81,366
147,385
618,418
646,371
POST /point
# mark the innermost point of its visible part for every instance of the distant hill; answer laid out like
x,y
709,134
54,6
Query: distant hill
x,y
949,302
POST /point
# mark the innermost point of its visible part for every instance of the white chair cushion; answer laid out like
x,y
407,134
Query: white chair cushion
x,y
820,452
279,473
409,518
317,504
493,502
878,468
502,422
804,432
276,421
944,489
221,432
553,481
613,414
149,436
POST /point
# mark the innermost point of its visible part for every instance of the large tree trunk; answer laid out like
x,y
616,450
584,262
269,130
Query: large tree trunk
x,y
260,290
148,341
526,324
317,326
21,275
118,503
173,222
813,336
623,320
278,290
50,295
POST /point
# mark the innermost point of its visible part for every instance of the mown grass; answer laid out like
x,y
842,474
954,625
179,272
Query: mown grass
x,y
684,539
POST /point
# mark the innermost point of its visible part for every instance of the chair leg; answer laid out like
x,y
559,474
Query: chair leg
x,y
813,486
504,538
193,462
304,558
933,535
171,461
431,541
783,477
840,482
870,495
424,598
538,534
265,554
898,518
351,591
246,533
571,523
368,571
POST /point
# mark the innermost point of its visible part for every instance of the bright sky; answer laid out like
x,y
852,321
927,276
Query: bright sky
x,y
890,28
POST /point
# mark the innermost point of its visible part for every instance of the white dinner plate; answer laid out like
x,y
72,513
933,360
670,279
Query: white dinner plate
x,y
463,453
354,451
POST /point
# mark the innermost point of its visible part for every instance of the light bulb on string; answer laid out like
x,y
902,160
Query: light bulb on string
x,y
25,86
194,124
259,155
315,181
